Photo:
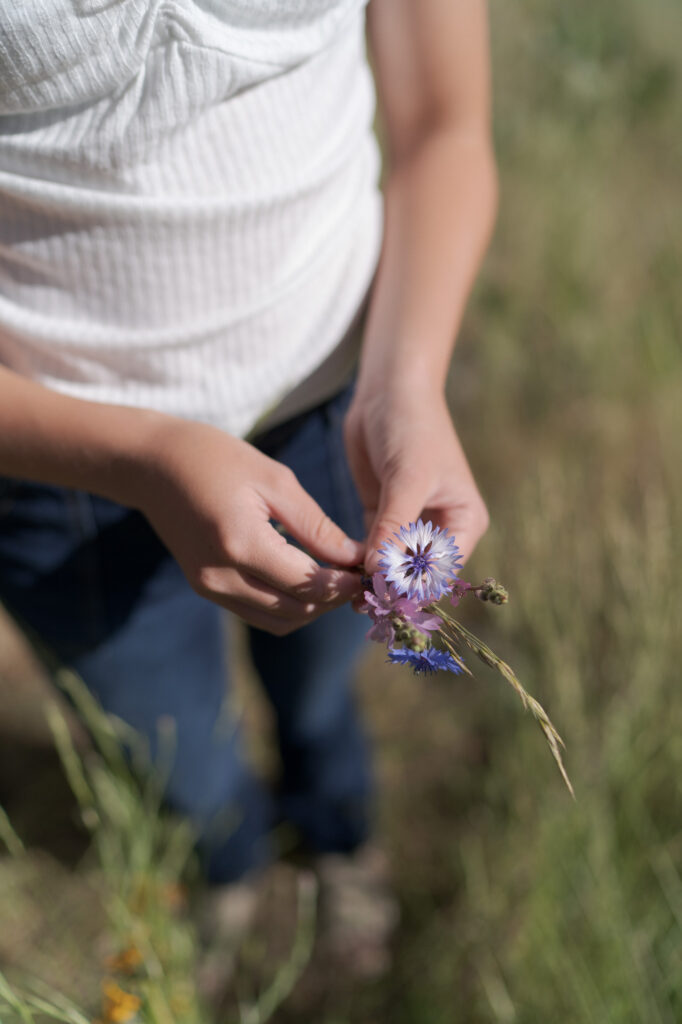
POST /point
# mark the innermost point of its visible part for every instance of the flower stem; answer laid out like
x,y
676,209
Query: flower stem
x,y
488,657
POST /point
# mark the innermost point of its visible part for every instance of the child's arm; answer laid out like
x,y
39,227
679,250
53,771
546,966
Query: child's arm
x,y
432,70
209,496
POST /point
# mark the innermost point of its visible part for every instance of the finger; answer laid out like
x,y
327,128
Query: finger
x,y
268,610
306,603
260,619
401,502
285,583
261,596
290,571
300,514
466,524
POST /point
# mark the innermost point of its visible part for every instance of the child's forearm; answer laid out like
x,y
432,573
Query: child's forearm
x,y
51,438
440,207
432,72
432,69
209,496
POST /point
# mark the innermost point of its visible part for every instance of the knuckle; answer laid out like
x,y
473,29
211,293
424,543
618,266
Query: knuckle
x,y
390,522
322,528
206,580
311,589
285,476
482,518
234,549
386,527
327,591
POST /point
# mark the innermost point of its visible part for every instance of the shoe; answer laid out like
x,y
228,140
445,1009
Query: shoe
x,y
224,915
358,911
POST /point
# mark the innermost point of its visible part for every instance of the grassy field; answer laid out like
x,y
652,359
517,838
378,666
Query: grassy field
x,y
519,905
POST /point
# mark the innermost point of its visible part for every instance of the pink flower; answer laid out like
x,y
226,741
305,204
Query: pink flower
x,y
384,603
409,611
459,589
382,632
381,599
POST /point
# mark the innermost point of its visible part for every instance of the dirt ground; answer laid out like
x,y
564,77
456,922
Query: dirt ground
x,y
52,922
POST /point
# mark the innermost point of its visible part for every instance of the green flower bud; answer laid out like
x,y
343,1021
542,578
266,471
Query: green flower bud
x,y
409,635
418,641
491,590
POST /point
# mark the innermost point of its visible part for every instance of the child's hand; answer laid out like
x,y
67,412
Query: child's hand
x,y
211,497
407,461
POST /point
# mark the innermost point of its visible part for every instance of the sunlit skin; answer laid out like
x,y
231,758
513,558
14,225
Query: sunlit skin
x,y
432,67
211,496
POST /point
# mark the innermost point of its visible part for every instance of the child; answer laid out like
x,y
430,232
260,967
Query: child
x,y
194,251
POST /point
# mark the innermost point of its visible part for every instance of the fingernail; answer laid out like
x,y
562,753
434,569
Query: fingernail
x,y
352,548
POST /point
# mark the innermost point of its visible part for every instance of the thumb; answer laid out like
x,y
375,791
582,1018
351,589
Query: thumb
x,y
467,524
400,502
300,514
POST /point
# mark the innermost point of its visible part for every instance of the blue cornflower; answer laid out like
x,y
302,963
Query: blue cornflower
x,y
430,660
423,563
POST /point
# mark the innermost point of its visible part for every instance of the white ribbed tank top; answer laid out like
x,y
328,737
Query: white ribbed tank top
x,y
189,206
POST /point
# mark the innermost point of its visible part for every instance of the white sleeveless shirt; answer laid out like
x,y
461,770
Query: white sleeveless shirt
x,y
189,207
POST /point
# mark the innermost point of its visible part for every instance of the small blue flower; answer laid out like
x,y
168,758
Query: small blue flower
x,y
423,563
430,660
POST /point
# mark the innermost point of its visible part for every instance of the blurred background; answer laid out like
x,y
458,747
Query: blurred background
x,y
518,905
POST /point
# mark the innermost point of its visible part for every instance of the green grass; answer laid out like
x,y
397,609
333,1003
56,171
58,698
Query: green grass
x,y
518,904
139,856
141,861
567,388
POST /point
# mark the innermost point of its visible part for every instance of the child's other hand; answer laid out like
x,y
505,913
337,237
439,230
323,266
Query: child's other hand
x,y
211,497
407,461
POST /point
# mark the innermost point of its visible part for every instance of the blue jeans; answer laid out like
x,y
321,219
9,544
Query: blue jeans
x,y
104,595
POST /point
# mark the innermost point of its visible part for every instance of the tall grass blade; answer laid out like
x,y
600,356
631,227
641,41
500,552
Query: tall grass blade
x,y
9,837
289,973
488,657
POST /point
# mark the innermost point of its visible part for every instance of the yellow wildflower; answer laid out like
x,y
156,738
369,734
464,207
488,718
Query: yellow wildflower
x,y
174,895
125,962
119,1006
